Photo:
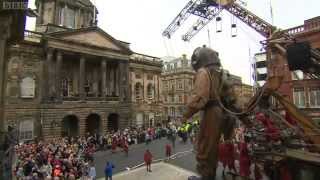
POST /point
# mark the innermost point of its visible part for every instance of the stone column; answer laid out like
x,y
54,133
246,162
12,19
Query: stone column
x,y
117,79
95,83
58,76
82,77
50,78
103,77
111,82
4,35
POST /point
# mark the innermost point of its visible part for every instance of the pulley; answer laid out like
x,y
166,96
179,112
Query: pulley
x,y
218,24
233,30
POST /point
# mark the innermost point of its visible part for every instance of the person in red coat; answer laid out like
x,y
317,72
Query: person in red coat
x,y
168,150
148,159
244,160
114,144
126,148
272,132
222,156
230,155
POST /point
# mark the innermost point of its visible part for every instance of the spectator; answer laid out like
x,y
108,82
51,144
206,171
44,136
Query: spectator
x,y
108,170
92,171
148,160
168,150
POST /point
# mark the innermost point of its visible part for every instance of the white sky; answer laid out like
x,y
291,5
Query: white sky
x,y
141,23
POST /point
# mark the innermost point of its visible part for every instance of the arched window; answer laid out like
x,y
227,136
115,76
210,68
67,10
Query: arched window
x,y
138,91
26,130
27,87
150,91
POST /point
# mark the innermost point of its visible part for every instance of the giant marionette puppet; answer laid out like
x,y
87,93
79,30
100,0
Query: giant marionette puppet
x,y
211,90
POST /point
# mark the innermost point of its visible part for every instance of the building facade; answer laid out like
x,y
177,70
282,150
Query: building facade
x,y
177,83
145,84
69,78
297,86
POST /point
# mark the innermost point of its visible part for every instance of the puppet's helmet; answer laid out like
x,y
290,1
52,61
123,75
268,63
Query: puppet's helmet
x,y
203,56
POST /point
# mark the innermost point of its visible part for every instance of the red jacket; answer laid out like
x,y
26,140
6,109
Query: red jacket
x,y
272,132
147,157
230,155
222,154
244,160
168,149
285,173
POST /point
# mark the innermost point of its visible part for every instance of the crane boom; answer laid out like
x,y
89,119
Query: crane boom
x,y
201,22
208,9
255,22
178,20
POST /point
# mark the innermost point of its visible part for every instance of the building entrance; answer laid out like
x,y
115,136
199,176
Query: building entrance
x,y
93,123
113,122
70,126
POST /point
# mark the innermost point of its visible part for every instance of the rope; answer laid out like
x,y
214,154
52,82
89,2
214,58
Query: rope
x,y
228,110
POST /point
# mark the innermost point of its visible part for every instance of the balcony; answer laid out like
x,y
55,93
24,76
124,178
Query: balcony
x,y
309,25
88,98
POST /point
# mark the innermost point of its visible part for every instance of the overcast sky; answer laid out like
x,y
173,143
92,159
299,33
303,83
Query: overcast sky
x,y
141,22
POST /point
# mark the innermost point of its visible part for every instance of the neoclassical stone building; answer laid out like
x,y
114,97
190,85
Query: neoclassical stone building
x,y
70,77
145,83
177,83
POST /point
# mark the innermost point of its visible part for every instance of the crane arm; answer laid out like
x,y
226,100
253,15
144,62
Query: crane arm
x,y
178,20
201,22
255,22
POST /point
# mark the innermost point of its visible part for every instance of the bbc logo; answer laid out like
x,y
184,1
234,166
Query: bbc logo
x,y
14,5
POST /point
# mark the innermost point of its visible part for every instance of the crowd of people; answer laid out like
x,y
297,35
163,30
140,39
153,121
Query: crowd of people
x,y
72,158
67,158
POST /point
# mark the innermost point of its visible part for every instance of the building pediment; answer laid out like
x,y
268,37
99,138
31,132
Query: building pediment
x,y
94,37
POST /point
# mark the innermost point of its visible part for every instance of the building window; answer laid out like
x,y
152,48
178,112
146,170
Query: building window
x,y
172,85
172,111
149,77
314,97
172,98
166,111
150,91
166,85
67,87
61,15
298,97
138,76
181,109
165,98
138,91
180,84
180,99
71,18
27,87
88,88
26,130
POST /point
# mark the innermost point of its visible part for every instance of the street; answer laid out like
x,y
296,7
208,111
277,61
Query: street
x,y
156,147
